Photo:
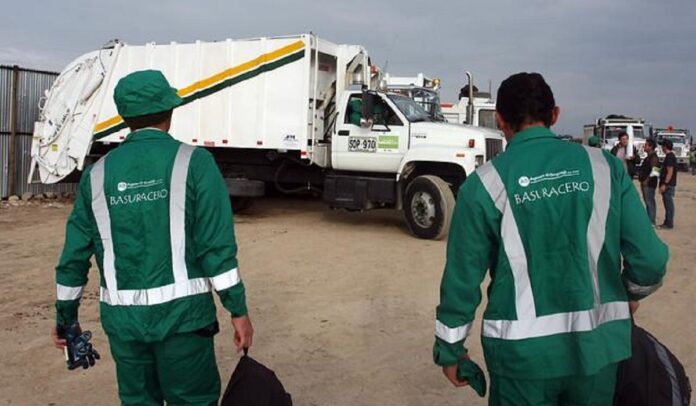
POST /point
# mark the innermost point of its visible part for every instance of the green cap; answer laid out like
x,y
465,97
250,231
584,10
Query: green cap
x,y
593,141
144,92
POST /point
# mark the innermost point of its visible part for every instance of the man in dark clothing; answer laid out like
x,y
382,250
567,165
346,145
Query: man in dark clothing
x,y
668,183
648,178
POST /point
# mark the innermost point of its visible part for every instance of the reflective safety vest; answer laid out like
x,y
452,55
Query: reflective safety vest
x,y
551,220
156,215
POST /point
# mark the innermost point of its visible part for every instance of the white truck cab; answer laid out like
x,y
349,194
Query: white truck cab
x,y
681,144
607,129
473,107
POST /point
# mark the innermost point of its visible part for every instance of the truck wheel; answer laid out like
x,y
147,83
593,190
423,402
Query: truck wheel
x,y
428,207
240,203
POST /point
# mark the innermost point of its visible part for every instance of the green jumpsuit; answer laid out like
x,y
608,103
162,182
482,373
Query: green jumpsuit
x,y
156,215
566,240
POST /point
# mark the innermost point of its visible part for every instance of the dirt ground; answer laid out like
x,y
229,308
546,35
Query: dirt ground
x,y
342,304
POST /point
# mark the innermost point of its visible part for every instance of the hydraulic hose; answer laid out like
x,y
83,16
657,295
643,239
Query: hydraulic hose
x,y
300,189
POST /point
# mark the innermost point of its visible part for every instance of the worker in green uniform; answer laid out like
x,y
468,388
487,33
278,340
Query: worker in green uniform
x,y
156,215
593,141
554,222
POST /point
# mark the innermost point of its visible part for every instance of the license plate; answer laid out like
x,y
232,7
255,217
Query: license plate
x,y
362,144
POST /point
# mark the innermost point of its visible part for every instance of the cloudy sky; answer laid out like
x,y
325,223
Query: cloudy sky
x,y
633,57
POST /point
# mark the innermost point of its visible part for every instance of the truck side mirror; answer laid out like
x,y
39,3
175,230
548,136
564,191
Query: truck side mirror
x,y
368,101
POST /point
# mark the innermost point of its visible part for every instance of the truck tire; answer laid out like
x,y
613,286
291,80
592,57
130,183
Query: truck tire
x,y
428,207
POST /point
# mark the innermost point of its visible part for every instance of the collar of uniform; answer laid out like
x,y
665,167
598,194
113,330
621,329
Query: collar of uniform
x,y
149,133
531,133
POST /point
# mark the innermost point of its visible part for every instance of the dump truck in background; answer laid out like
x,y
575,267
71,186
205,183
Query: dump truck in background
x,y
607,129
681,144
295,113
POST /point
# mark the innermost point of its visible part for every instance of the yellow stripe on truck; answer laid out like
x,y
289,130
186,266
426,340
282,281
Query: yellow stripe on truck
x,y
218,77
107,123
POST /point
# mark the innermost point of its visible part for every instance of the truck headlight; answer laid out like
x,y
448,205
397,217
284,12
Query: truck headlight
x,y
479,160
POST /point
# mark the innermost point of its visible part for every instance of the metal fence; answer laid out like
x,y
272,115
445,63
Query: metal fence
x,y
20,92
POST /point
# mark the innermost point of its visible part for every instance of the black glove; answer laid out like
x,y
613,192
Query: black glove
x,y
79,350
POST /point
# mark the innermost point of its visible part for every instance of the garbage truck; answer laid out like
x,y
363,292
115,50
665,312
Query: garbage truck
x,y
295,113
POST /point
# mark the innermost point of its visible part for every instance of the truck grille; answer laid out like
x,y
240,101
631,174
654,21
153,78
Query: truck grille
x,y
493,148
677,151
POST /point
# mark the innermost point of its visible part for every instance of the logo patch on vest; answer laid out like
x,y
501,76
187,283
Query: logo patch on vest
x,y
138,197
549,192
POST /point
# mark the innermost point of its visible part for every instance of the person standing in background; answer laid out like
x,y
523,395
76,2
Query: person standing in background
x,y
648,178
668,183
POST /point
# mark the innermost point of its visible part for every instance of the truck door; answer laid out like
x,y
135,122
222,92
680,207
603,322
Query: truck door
x,y
378,148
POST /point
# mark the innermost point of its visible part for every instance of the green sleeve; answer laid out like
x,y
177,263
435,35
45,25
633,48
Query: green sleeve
x,y
216,248
74,264
468,259
644,254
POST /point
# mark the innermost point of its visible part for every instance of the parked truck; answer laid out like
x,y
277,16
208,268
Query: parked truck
x,y
295,113
473,107
608,128
681,144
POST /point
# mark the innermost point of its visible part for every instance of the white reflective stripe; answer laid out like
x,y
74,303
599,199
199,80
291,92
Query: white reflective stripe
x,y
596,227
639,290
154,296
559,323
177,212
101,215
451,335
494,185
512,241
225,280
68,292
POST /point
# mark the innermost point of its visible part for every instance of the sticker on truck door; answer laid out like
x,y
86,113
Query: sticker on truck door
x,y
388,143
362,144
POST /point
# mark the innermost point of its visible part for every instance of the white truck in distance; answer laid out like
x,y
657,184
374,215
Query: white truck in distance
x,y
473,107
607,129
296,112
681,144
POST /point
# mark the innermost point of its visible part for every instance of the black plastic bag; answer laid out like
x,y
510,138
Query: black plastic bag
x,y
252,384
653,376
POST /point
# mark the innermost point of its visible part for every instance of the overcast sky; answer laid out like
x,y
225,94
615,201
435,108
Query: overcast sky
x,y
632,57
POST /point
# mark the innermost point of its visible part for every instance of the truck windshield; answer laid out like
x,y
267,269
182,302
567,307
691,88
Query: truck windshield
x,y
413,111
430,101
611,133
487,119
676,139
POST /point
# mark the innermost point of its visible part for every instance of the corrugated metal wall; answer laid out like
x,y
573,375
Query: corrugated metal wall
x,y
31,85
